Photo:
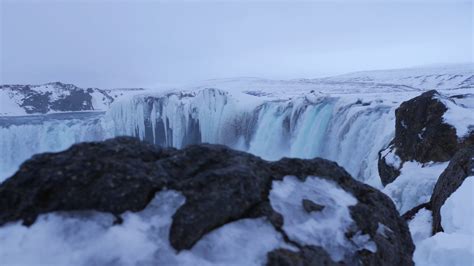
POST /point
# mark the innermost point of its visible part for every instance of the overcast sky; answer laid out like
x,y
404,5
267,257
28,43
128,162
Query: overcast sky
x,y
144,43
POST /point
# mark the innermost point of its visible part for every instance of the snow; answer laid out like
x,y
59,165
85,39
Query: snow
x,y
461,118
421,225
391,158
441,77
454,246
445,249
457,213
414,185
9,105
325,228
89,238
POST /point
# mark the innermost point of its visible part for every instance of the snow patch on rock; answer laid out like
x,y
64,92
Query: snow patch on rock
x,y
460,117
415,184
325,228
90,238
421,225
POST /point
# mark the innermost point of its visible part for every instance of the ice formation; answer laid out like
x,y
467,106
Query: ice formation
x,y
339,129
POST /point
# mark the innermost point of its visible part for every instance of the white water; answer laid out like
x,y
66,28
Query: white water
x,y
18,142
334,128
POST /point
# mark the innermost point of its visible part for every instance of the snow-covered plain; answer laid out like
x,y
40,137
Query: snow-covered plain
x,y
347,119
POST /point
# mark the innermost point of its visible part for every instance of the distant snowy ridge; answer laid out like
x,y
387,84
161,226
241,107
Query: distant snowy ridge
x,y
54,97
60,97
436,77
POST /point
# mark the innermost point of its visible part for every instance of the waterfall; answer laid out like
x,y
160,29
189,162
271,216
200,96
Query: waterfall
x,y
344,130
22,137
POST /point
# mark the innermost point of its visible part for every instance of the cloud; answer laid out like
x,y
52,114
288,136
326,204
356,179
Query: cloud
x,y
128,43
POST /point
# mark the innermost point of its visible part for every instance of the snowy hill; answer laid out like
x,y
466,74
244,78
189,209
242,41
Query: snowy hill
x,y
447,77
54,97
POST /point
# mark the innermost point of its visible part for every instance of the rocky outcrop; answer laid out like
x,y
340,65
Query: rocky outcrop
x,y
460,167
420,135
220,185
420,132
307,256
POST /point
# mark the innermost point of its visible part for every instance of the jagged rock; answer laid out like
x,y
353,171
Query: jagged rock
x,y
420,135
412,212
307,256
220,185
460,167
387,170
420,132
310,206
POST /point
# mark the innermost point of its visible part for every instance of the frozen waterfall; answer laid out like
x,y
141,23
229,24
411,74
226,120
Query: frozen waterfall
x,y
348,131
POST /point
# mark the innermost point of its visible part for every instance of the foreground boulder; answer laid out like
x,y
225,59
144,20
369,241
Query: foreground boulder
x,y
220,186
421,135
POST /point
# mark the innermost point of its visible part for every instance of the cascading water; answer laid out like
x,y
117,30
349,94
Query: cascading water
x,y
350,133
21,137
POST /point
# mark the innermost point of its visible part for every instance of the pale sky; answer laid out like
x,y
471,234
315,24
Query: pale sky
x,y
145,43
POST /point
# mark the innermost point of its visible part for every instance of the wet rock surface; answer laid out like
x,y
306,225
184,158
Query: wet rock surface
x,y
460,167
220,185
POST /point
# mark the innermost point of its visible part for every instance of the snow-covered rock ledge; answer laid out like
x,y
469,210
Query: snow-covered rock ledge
x,y
125,202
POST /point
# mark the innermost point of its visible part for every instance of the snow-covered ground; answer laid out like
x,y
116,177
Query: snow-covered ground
x,y
454,246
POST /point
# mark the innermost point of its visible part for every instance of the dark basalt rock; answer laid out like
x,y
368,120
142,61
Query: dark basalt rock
x,y
307,256
421,134
220,185
460,167
310,206
387,172
112,176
